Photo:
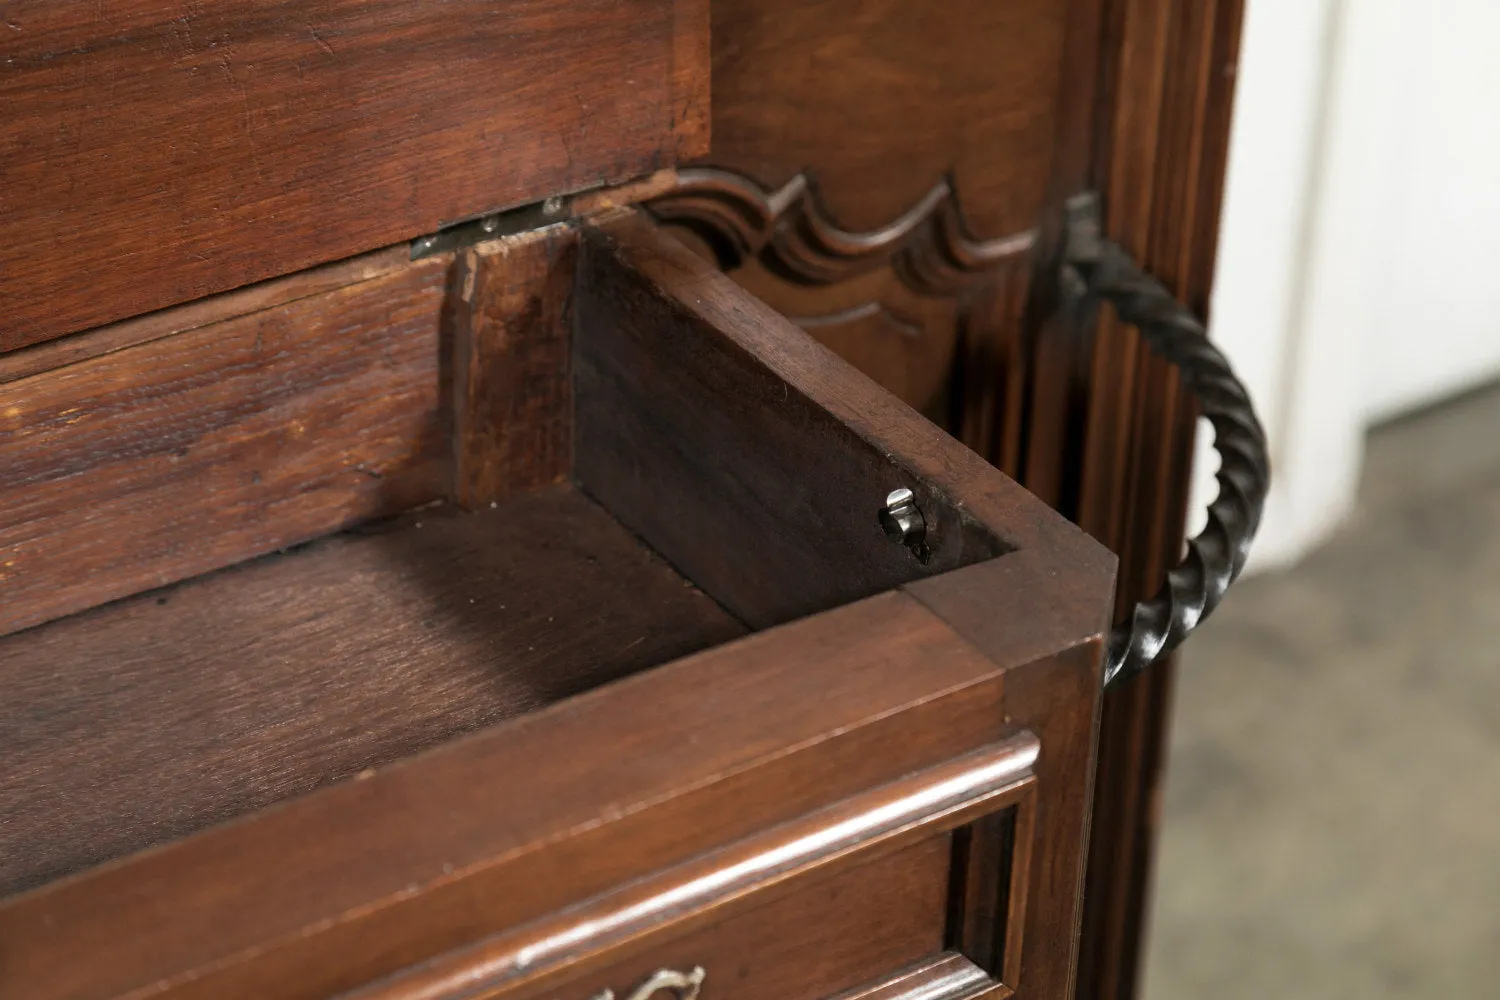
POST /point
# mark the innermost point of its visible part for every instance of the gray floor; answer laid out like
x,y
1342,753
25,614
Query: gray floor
x,y
1332,815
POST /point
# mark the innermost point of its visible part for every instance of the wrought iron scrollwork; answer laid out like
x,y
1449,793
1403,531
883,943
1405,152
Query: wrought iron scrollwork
x,y
1097,269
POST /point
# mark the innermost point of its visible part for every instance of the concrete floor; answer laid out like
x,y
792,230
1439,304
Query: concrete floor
x,y
1332,814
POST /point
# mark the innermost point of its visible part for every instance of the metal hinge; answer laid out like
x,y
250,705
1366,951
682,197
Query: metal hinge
x,y
1083,244
548,212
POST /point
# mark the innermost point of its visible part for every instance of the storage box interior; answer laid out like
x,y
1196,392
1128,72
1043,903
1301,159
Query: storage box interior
x,y
707,495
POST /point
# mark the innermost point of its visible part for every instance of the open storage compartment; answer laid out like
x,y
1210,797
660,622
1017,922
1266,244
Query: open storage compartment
x,y
701,496
525,471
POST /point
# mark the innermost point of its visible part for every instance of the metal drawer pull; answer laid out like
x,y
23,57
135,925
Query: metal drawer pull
x,y
685,984
1096,269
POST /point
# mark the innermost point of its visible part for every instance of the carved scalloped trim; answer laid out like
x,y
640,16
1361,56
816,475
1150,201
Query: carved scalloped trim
x,y
793,235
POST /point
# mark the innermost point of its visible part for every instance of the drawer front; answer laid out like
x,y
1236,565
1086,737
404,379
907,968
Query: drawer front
x,y
806,908
159,152
819,940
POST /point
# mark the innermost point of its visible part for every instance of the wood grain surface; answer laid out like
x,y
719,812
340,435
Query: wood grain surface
x,y
512,305
738,474
714,886
1128,97
878,103
204,312
1056,694
144,721
860,921
156,151
505,826
1168,91
883,100
147,465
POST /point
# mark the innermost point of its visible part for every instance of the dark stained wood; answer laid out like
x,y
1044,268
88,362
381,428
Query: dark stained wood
x,y
868,918
871,917
159,151
1056,695
987,396
157,716
147,465
205,312
749,457
510,824
705,422
906,342
538,957
512,398
599,827
879,103
963,88
1164,141
948,976
692,59
991,880
990,889
1082,418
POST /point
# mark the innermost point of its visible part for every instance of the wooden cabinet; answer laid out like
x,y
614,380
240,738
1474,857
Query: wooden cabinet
x,y
438,558
446,755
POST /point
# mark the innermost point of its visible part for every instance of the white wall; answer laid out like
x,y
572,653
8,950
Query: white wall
x,y
1361,219
1438,329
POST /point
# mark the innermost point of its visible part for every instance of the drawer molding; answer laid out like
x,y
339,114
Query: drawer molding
x,y
871,824
949,976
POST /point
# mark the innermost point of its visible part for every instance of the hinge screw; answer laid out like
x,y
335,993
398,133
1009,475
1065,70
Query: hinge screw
x,y
903,522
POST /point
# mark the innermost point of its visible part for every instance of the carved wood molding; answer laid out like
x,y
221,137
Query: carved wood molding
x,y
793,235
892,318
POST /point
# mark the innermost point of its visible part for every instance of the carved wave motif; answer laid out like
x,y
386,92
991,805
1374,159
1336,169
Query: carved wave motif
x,y
794,237
903,325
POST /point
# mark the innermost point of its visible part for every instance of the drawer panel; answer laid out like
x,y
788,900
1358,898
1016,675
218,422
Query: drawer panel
x,y
824,939
788,869
156,152
219,438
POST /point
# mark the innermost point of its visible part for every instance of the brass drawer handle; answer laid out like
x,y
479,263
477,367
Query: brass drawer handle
x,y
1096,269
685,984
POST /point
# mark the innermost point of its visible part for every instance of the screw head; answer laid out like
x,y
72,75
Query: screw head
x,y
902,520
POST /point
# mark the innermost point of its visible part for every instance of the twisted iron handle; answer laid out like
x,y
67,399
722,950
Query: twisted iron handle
x,y
1095,270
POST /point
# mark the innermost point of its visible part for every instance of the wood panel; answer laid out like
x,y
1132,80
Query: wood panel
x,y
64,351
512,392
147,465
1138,110
639,775
1057,695
878,107
193,704
905,341
966,90
874,916
158,151
1169,87
785,861
707,423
